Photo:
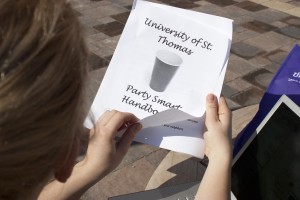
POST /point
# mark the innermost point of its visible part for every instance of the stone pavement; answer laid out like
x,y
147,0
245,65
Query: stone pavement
x,y
264,32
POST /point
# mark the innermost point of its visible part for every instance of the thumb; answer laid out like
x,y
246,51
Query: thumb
x,y
211,110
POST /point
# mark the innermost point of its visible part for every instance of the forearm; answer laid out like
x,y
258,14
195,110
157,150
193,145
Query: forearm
x,y
78,183
216,181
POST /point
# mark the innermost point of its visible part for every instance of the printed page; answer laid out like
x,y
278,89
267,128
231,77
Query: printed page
x,y
166,62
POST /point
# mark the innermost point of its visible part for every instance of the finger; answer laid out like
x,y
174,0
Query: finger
x,y
122,118
211,110
224,112
105,117
127,138
124,126
116,122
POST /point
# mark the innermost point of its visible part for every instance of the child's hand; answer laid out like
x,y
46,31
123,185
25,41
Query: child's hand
x,y
215,183
218,135
104,154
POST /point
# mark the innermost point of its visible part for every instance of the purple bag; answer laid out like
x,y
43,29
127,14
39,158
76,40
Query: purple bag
x,y
286,81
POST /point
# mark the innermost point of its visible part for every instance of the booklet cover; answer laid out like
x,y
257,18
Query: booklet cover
x,y
166,62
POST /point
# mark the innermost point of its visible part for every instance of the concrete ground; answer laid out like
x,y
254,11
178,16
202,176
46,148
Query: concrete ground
x,y
264,32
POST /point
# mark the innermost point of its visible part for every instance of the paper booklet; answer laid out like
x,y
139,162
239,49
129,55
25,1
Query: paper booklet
x,y
166,62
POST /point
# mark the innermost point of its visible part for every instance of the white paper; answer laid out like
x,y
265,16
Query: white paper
x,y
195,44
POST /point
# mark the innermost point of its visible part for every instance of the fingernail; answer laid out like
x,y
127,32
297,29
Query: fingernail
x,y
210,97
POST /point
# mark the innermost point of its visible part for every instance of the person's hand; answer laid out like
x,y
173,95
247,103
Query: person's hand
x,y
218,123
215,183
104,153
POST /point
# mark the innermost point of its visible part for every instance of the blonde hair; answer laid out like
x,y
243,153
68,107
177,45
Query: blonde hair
x,y
43,71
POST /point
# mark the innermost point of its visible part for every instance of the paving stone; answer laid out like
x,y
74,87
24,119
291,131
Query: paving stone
x,y
96,62
108,57
165,1
233,11
156,157
277,56
92,46
273,67
269,41
202,3
88,21
269,15
240,119
123,2
295,3
264,79
232,105
227,91
286,1
260,61
105,20
277,5
177,168
244,35
259,26
184,4
102,50
279,24
122,17
156,1
239,85
111,29
251,6
242,19
136,152
290,31
82,5
111,42
292,20
87,31
294,11
288,47
238,29
210,9
97,37
240,66
248,97
222,3
185,171
230,75
245,50
129,7
129,179
260,78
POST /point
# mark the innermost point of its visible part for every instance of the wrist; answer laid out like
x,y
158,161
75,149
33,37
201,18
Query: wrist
x,y
221,158
86,174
